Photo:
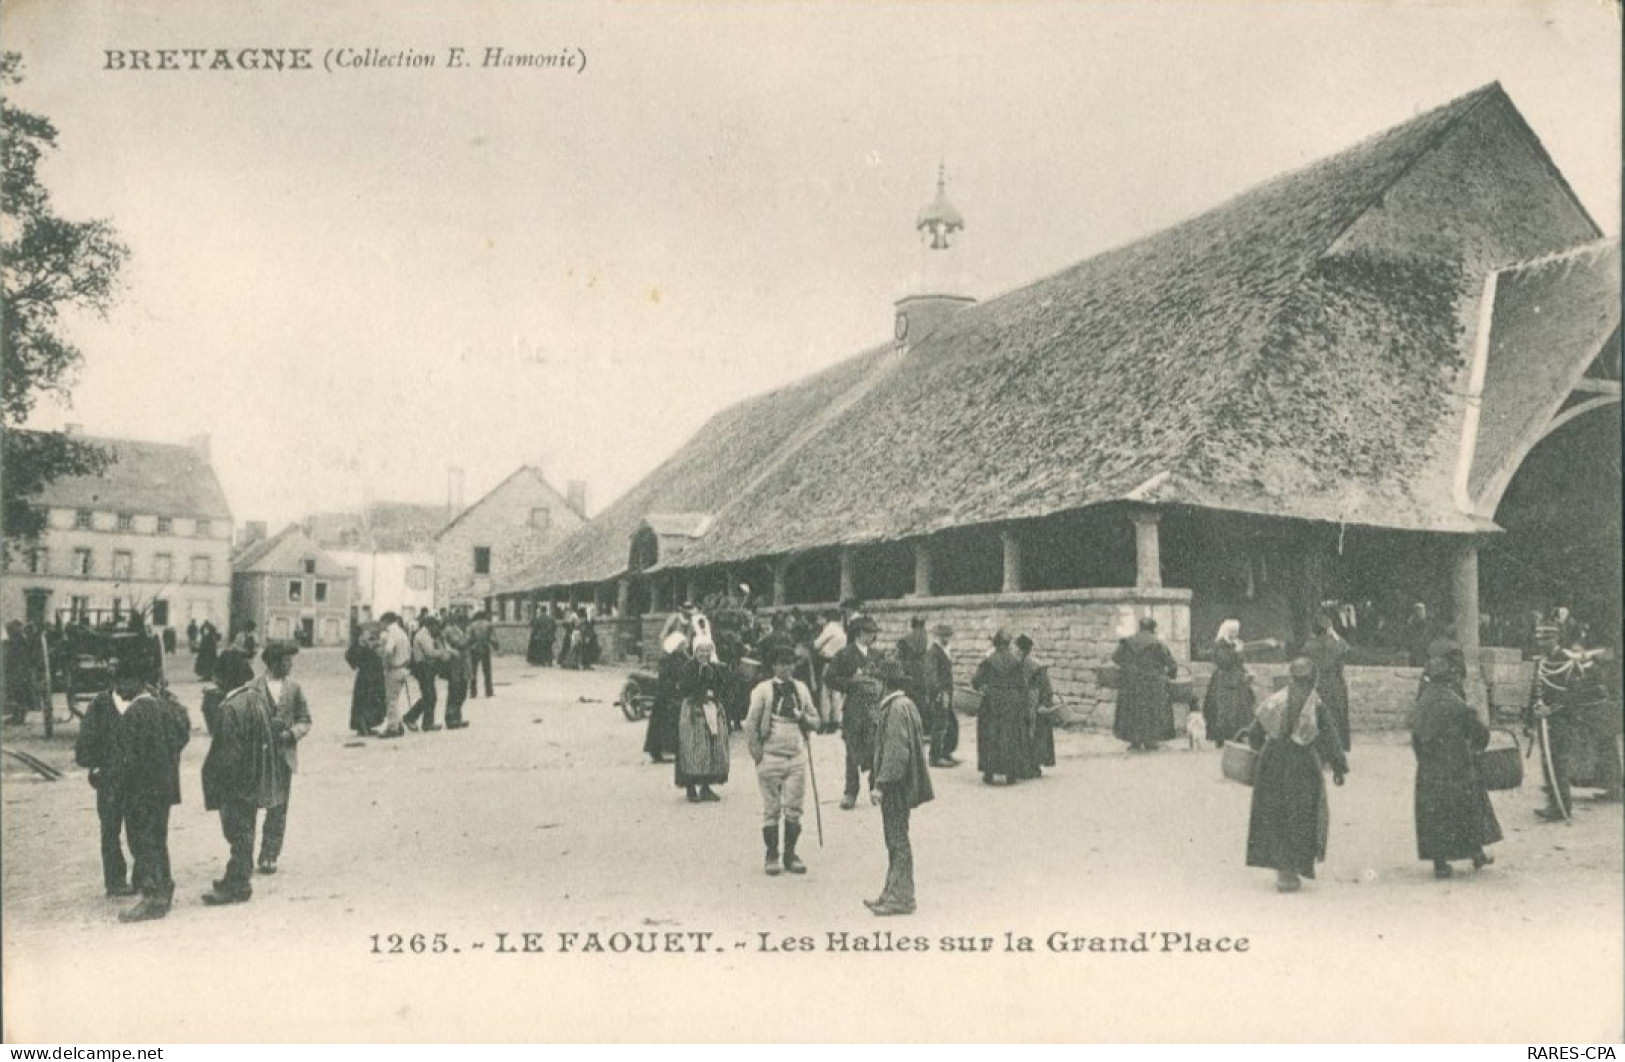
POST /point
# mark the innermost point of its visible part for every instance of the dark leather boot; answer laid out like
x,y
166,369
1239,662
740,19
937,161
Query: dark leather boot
x,y
770,838
792,834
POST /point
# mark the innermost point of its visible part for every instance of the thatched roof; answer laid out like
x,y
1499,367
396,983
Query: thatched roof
x,y
1550,320
1293,352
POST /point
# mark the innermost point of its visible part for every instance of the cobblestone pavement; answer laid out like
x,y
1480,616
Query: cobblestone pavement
x,y
543,817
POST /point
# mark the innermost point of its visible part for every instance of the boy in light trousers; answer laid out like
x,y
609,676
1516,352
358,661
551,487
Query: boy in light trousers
x,y
781,716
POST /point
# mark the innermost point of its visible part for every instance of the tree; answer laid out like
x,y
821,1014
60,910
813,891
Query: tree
x,y
49,265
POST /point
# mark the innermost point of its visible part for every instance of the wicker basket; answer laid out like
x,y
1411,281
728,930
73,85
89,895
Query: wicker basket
x,y
967,701
1239,762
1501,768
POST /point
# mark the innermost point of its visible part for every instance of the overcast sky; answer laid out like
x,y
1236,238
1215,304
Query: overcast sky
x,y
352,280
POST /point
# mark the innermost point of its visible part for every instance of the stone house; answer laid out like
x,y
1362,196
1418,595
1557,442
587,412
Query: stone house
x,y
495,539
291,589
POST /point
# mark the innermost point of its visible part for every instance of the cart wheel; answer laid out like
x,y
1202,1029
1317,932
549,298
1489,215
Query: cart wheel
x,y
629,701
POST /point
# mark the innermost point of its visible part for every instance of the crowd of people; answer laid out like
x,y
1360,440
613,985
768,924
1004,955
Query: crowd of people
x,y
795,677
568,636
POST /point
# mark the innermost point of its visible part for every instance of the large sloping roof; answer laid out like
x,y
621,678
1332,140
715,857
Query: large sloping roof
x,y
162,479
1549,321
1293,352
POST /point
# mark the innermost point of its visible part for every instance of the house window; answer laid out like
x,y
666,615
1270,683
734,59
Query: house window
x,y
39,561
78,607
81,519
126,521
202,570
417,577
122,563
81,562
203,529
321,593
541,519
310,566
166,525
482,560
163,567
296,591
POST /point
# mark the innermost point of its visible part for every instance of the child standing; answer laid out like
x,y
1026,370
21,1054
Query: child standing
x,y
781,714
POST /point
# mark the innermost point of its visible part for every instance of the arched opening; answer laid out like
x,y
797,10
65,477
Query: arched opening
x,y
1561,515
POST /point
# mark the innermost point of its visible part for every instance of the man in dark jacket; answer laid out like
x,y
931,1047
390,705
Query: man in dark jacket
x,y
943,723
154,730
901,783
290,722
482,639
848,675
241,774
130,743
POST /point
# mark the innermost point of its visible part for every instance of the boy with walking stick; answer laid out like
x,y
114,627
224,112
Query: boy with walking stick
x,y
781,714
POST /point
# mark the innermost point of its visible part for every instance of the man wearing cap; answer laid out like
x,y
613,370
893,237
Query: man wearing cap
x,y
943,724
132,740
781,714
290,721
1559,679
901,784
849,676
242,773
427,653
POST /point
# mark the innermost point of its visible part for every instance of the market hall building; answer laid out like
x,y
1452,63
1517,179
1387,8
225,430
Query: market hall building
x,y
1390,377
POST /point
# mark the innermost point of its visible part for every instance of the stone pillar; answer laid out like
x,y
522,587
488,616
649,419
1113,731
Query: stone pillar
x,y
1012,562
849,581
781,580
922,569
1465,594
657,595
692,591
623,597
1147,549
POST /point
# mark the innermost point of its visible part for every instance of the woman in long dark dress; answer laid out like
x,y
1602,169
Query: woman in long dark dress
x,y
1288,828
702,726
1004,724
1454,818
367,706
1227,706
660,740
539,651
1328,652
1041,694
1145,712
208,652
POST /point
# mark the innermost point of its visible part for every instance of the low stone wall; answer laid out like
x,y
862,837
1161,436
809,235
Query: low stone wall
x,y
617,639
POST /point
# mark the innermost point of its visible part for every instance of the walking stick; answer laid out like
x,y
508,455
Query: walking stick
x,y
812,772
1551,769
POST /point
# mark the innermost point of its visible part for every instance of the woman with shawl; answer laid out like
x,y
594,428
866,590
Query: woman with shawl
x,y
702,728
1145,713
1289,822
1004,725
1328,653
1227,707
367,697
1454,819
661,738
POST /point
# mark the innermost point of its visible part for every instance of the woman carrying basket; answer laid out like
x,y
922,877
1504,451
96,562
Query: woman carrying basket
x,y
1454,819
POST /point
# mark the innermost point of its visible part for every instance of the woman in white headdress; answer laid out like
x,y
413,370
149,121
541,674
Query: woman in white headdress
x,y
702,727
1227,707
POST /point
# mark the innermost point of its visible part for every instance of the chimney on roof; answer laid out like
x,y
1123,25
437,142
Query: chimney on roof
x,y
454,491
253,531
200,445
575,492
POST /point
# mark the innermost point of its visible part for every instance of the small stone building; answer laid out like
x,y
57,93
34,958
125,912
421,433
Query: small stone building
x,y
497,537
291,589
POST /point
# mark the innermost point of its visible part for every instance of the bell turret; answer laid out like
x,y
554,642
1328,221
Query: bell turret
x,y
936,292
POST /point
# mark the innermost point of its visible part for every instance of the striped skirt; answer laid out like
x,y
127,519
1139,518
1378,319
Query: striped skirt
x,y
702,757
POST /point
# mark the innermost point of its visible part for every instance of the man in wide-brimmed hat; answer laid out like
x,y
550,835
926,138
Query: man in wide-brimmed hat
x,y
241,774
849,675
781,715
290,722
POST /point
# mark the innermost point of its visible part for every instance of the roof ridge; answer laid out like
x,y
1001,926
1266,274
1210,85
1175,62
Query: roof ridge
x,y
1593,247
1465,104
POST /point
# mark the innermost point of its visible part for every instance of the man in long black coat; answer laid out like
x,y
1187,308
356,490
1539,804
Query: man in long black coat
x,y
849,675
